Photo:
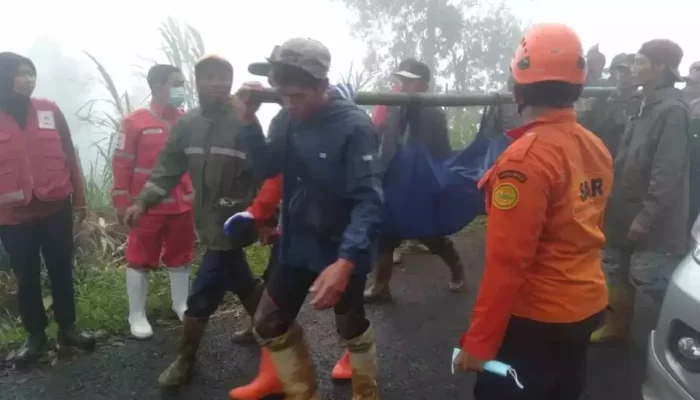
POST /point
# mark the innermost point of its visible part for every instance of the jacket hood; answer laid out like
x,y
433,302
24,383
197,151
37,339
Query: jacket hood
x,y
10,101
338,107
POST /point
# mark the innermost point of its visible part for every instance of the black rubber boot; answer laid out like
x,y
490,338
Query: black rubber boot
x,y
31,350
75,337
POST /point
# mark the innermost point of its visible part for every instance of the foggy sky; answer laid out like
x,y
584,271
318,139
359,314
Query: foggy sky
x,y
123,34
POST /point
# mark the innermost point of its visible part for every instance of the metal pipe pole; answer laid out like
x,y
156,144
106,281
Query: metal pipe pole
x,y
434,99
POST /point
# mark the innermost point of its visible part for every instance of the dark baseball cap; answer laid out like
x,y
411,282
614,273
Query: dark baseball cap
x,y
413,69
622,60
664,51
263,68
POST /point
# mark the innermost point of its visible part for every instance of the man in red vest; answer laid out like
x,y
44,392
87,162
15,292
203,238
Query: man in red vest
x,y
166,231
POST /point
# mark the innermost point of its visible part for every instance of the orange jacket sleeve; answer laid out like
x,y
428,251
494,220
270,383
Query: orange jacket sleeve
x,y
517,197
268,199
123,162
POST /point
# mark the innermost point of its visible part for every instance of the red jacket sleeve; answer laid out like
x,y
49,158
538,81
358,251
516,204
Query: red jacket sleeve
x,y
268,199
516,196
73,163
123,163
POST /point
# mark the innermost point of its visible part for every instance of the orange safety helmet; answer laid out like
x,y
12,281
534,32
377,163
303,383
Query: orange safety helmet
x,y
549,52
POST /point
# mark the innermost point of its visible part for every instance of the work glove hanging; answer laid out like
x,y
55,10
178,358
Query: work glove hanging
x,y
238,223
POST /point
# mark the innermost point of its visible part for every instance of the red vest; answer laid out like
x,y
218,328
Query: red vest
x,y
32,161
143,136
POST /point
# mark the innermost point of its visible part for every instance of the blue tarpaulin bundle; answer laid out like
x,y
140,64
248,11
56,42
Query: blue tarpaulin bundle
x,y
431,198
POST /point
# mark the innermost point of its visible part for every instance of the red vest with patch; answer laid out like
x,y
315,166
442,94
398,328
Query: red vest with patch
x,y
143,136
32,161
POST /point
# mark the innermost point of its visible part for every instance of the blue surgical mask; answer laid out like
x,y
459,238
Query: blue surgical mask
x,y
177,96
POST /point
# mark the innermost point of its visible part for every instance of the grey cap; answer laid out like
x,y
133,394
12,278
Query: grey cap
x,y
263,68
307,54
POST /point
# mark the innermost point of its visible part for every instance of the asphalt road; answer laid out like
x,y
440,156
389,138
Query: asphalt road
x,y
415,336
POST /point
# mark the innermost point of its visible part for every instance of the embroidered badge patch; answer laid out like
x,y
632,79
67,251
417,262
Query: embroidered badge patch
x,y
505,196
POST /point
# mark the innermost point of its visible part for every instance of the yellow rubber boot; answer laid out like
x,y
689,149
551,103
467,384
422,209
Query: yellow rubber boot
x,y
291,356
363,361
617,321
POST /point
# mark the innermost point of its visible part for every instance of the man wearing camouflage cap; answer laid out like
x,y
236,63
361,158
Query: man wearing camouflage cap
x,y
646,223
327,151
609,115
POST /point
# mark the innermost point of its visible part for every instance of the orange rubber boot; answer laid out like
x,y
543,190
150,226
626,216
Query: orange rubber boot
x,y
266,383
342,369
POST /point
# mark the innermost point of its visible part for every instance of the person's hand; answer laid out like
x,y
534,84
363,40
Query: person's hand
x,y
636,231
120,214
467,363
80,214
331,284
244,103
132,214
267,234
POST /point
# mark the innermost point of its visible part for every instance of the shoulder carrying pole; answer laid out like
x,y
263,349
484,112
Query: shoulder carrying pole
x,y
436,99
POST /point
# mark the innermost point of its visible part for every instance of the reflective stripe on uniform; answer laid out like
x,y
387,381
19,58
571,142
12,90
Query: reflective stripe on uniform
x,y
228,152
194,150
12,197
168,200
152,186
121,154
142,171
188,197
120,192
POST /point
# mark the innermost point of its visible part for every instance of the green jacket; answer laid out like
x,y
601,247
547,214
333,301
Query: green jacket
x,y
209,148
608,118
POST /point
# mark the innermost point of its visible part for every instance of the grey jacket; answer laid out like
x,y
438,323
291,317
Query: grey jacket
x,y
651,176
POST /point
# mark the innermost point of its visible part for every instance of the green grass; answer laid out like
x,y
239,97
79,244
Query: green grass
x,y
101,302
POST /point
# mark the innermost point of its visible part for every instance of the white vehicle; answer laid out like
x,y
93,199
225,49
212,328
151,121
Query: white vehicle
x,y
673,360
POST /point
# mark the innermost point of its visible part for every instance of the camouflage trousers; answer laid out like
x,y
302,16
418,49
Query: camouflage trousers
x,y
646,271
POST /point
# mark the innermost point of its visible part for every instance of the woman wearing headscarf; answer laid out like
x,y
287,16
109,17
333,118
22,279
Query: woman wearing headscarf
x,y
40,187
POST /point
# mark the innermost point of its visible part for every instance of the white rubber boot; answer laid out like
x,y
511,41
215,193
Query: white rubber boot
x,y
179,289
137,291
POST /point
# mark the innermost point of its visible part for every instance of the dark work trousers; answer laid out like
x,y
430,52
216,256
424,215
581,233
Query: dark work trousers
x,y
439,246
285,293
220,271
272,261
549,359
51,237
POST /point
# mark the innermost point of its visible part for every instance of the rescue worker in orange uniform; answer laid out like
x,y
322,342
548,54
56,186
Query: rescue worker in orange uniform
x,y
166,231
543,291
